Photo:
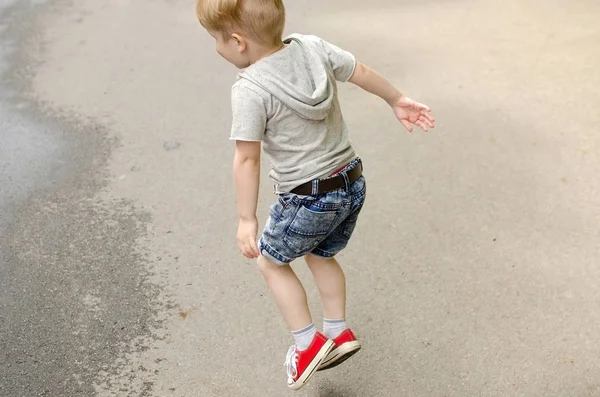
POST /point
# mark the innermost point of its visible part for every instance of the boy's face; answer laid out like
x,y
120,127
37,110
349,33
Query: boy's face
x,y
233,48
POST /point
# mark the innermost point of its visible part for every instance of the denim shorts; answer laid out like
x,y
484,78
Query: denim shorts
x,y
319,225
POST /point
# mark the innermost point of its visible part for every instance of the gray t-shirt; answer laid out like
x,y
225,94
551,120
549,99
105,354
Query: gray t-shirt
x,y
288,101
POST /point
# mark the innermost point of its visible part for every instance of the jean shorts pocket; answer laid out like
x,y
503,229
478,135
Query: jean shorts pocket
x,y
308,229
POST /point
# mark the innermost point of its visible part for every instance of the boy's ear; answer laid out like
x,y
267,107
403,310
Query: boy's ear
x,y
240,41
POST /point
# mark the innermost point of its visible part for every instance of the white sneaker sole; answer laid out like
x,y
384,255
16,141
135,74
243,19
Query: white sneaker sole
x,y
313,366
340,354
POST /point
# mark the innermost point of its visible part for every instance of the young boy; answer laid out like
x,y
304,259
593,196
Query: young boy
x,y
285,101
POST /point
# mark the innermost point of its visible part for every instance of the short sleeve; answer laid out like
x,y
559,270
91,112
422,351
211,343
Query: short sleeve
x,y
249,115
342,61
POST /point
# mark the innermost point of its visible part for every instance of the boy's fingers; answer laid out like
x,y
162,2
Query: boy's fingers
x,y
244,249
253,249
250,248
427,116
422,125
426,121
406,125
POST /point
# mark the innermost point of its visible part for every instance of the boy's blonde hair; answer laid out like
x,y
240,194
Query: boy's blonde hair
x,y
261,20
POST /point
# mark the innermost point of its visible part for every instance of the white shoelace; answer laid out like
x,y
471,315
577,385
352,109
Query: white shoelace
x,y
291,364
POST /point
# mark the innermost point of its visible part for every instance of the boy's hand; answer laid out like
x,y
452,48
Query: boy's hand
x,y
246,237
406,110
410,112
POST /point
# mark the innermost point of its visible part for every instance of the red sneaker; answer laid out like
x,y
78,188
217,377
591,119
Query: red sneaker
x,y
346,346
302,365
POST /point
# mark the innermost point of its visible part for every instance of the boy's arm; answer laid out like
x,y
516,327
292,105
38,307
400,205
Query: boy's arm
x,y
406,110
246,172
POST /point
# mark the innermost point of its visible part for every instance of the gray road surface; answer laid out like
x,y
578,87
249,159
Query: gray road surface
x,y
474,270
73,291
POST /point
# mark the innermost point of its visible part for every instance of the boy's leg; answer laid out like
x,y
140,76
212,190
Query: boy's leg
x,y
288,292
331,282
312,347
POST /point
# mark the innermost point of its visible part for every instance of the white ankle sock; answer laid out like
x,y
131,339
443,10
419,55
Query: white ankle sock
x,y
304,336
333,328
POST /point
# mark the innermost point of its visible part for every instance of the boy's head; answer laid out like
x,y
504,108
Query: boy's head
x,y
237,25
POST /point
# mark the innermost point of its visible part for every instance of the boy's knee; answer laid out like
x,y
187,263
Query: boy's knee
x,y
265,265
312,260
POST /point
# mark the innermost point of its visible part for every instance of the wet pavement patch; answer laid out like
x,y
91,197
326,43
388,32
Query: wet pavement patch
x,y
75,295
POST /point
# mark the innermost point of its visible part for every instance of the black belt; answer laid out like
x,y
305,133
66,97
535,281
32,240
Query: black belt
x,y
329,184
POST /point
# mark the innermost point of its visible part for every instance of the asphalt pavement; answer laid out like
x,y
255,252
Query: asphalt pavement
x,y
474,266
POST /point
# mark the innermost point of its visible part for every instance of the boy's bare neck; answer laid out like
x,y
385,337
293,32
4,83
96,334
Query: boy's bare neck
x,y
262,52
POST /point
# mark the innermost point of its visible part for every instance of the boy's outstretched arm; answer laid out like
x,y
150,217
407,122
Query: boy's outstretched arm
x,y
406,110
246,174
